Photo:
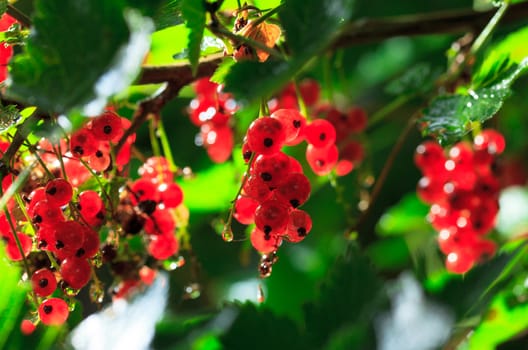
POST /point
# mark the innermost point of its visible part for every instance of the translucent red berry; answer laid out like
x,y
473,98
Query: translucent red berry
x,y
320,133
43,282
245,210
293,122
75,272
58,192
266,136
163,246
491,141
107,126
264,243
171,195
271,168
53,312
322,160
294,189
271,217
90,203
83,143
27,327
299,225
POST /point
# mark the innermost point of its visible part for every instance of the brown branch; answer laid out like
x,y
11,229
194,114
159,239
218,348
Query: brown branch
x,y
445,22
180,74
176,77
18,15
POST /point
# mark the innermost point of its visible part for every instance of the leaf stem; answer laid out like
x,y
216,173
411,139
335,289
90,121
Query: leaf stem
x,y
167,151
490,27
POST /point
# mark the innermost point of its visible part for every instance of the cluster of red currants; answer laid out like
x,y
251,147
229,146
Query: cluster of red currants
x,y
463,191
332,135
211,110
64,227
275,187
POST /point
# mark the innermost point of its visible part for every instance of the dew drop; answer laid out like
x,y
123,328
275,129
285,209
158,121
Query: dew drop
x,y
227,234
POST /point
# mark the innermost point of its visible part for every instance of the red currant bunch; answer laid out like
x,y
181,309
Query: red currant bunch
x,y
211,110
460,185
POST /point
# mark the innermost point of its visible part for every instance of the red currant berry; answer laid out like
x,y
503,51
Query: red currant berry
x,y
430,158
171,195
271,168
245,210
90,203
491,141
107,126
75,272
294,189
293,122
46,214
459,262
320,133
156,169
27,327
160,222
271,217
266,136
257,188
162,247
321,160
83,143
43,282
69,238
143,190
299,225
53,312
264,243
58,192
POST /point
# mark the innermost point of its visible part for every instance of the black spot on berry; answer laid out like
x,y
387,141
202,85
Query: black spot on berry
x,y
37,219
267,231
320,163
43,282
322,136
297,124
51,191
48,309
266,176
107,129
301,231
294,203
59,245
80,253
148,206
268,142
98,154
78,150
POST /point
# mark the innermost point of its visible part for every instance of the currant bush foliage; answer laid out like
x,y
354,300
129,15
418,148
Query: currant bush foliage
x,y
328,292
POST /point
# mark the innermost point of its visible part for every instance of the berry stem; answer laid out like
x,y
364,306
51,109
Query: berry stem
x,y
382,113
300,101
98,180
369,238
227,226
165,145
153,138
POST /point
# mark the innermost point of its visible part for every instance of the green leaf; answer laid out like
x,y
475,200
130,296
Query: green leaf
x,y
67,66
193,12
9,115
3,6
417,79
169,15
350,296
12,296
222,70
449,117
259,328
311,25
501,57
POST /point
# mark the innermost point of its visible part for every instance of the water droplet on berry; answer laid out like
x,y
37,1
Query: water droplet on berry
x,y
96,293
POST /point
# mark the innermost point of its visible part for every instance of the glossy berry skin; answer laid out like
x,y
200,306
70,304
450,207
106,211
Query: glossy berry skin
x,y
320,133
459,262
271,217
322,160
83,143
75,272
90,203
218,141
27,327
171,195
69,237
53,312
160,222
266,136
46,214
299,225
245,210
58,192
107,126
491,141
257,188
43,282
293,122
143,190
294,189
156,169
264,243
429,157
90,245
271,168
163,246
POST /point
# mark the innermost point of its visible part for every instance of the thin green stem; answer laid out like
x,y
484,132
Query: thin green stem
x,y
490,27
300,101
153,138
98,180
382,113
167,152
